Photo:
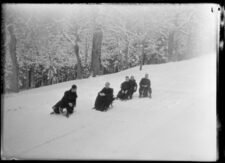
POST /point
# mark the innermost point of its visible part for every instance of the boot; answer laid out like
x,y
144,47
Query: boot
x,y
53,108
67,115
60,110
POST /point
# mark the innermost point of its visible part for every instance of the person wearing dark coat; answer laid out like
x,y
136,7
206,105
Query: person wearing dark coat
x,y
132,87
68,101
125,86
145,87
104,98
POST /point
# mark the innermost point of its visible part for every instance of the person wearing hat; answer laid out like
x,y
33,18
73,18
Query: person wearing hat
x,y
132,87
104,98
68,102
125,86
145,89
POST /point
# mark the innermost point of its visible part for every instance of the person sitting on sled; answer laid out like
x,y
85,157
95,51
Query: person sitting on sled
x,y
145,87
68,102
132,87
123,94
104,98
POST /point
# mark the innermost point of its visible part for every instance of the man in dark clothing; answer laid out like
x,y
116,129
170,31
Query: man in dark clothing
x,y
132,87
145,87
123,93
104,98
68,101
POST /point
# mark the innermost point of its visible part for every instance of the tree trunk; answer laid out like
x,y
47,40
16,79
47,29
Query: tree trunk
x,y
189,46
175,49
31,77
27,78
120,55
43,76
15,67
171,46
126,53
173,42
79,66
96,52
86,51
141,56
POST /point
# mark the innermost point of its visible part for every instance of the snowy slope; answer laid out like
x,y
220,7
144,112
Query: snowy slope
x,y
178,123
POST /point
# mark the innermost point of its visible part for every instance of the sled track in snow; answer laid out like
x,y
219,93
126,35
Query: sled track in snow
x,y
90,124
51,140
164,108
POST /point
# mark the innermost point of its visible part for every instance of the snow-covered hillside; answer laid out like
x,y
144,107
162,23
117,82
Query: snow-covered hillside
x,y
178,123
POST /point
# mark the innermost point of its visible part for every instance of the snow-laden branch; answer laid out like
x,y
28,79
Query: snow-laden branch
x,y
116,29
8,25
68,38
184,32
28,20
187,20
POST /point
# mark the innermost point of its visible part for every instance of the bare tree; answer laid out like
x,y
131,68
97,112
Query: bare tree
x,y
96,51
76,50
96,66
12,52
10,27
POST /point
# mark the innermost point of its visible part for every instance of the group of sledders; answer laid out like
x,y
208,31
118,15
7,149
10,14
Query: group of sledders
x,y
105,97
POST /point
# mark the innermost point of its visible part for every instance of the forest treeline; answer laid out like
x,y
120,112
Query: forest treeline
x,y
48,44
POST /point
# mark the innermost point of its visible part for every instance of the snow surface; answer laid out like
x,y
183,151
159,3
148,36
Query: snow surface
x,y
178,123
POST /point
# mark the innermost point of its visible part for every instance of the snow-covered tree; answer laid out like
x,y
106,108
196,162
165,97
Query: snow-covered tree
x,y
47,44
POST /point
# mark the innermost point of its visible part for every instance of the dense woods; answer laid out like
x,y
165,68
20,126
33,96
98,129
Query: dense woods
x,y
48,44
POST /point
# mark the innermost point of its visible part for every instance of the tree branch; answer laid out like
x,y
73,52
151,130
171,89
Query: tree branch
x,y
185,22
8,25
68,38
28,20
